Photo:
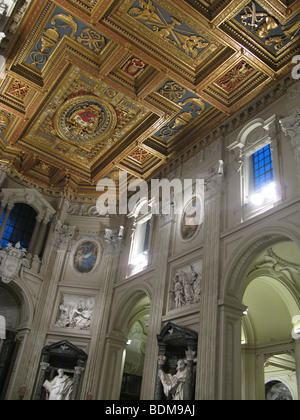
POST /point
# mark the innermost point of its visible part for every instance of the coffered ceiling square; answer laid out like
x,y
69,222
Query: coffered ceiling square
x,y
95,87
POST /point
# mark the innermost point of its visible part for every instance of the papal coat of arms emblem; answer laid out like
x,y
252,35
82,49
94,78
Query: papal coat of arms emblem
x,y
85,119
12,260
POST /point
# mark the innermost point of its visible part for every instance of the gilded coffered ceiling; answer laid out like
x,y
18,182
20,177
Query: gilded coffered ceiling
x,y
94,87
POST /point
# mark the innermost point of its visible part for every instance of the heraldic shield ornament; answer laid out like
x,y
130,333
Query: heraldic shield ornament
x,y
85,119
12,260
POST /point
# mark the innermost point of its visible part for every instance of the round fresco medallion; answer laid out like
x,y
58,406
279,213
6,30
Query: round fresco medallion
x,y
86,257
85,119
191,219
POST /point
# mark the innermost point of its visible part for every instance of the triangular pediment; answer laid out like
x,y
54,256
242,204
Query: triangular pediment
x,y
65,349
175,333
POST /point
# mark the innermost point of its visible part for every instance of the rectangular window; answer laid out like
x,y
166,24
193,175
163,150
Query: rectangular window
x,y
263,168
139,257
142,238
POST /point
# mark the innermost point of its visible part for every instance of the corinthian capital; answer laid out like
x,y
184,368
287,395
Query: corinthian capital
x,y
63,235
291,125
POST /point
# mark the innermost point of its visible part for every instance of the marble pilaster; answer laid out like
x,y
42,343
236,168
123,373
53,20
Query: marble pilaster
x,y
207,345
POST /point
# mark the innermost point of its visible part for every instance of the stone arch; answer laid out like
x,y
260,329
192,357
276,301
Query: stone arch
x,y
122,315
23,297
246,251
231,308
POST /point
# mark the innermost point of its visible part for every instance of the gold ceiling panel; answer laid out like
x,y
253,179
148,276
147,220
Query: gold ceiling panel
x,y
95,87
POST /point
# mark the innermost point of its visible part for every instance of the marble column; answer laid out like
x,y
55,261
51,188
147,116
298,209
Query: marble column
x,y
291,127
297,362
113,365
189,386
34,235
230,350
44,365
260,377
76,382
160,261
207,345
159,393
41,237
103,372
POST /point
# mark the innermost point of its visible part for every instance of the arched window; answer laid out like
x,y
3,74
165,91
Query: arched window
x,y
19,226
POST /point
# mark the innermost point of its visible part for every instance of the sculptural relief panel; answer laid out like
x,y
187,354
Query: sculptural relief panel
x,y
185,285
75,312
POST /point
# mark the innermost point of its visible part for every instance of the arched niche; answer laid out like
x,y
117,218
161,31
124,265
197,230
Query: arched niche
x,y
63,356
129,326
137,332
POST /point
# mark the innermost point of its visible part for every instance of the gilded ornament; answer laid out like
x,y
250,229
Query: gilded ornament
x,y
84,119
290,32
172,91
194,102
4,119
92,39
69,20
182,119
64,25
169,28
255,17
265,29
262,24
235,76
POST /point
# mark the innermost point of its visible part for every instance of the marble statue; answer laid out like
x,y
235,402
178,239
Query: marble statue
x,y
174,384
60,388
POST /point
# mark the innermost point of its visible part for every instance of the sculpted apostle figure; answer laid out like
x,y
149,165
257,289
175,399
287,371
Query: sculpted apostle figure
x,y
60,388
174,384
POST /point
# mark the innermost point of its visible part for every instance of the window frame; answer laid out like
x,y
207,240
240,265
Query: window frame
x,y
249,183
139,219
14,230
253,137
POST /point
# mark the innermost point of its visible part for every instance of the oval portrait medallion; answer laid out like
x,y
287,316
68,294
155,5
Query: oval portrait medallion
x,y
86,257
191,219
85,119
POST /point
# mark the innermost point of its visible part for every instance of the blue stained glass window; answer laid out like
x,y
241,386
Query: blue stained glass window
x,y
19,226
263,168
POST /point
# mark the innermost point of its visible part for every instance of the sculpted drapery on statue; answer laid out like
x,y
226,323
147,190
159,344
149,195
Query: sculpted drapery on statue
x,y
176,362
174,384
60,388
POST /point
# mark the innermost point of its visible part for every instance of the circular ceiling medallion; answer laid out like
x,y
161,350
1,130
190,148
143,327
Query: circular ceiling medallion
x,y
85,119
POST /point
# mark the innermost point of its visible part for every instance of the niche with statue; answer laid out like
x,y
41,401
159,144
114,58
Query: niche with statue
x,y
60,373
176,370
